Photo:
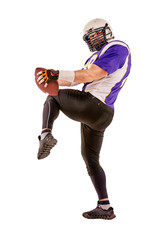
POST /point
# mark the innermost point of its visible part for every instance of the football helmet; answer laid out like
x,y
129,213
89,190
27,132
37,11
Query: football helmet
x,y
97,33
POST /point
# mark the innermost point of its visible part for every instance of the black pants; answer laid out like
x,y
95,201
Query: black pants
x,y
94,116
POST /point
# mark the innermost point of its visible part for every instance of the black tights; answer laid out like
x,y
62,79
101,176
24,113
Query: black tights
x,y
94,117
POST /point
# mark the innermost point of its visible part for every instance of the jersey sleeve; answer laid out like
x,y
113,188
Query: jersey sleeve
x,y
113,59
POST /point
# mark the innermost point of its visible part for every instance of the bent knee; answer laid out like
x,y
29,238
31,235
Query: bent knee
x,y
49,98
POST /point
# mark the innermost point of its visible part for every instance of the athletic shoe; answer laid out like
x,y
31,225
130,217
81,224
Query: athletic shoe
x,y
99,213
46,145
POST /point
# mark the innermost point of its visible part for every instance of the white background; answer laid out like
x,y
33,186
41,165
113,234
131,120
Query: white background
x,y
45,199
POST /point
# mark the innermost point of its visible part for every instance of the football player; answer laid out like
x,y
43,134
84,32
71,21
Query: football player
x,y
103,76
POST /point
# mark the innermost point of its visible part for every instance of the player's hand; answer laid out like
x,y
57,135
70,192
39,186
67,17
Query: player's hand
x,y
47,76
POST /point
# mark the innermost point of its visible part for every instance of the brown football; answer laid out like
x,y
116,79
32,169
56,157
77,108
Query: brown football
x,y
51,89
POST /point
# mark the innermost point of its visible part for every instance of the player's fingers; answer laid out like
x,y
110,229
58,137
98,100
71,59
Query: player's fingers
x,y
41,81
39,78
39,73
45,85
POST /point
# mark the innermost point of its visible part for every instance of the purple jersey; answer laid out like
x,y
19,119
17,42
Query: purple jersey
x,y
115,59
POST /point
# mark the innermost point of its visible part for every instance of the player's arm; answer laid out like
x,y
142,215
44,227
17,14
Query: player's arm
x,y
64,83
68,78
83,76
89,75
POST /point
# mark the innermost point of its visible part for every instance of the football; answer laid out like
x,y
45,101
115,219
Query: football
x,y
51,89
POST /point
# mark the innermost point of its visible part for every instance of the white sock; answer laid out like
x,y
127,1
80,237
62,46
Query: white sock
x,y
43,135
104,204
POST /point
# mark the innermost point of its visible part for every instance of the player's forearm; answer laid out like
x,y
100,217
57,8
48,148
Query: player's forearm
x,y
67,78
64,83
83,76
89,75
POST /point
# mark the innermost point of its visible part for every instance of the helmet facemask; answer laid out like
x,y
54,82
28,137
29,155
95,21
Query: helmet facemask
x,y
98,37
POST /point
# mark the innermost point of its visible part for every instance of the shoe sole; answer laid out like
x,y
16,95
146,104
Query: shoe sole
x,y
49,145
99,217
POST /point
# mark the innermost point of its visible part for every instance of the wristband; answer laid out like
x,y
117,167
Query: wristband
x,y
66,76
